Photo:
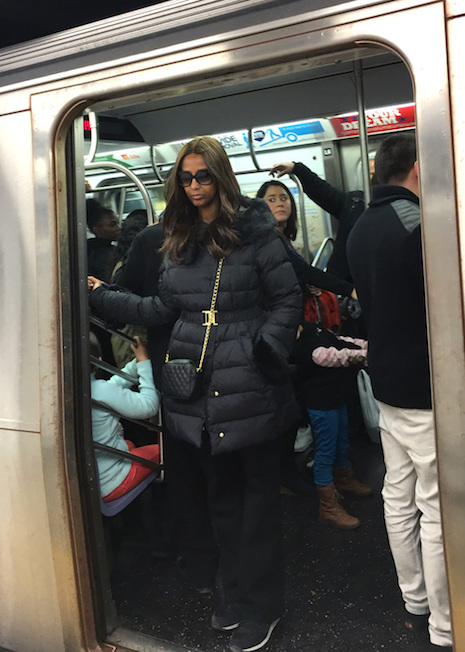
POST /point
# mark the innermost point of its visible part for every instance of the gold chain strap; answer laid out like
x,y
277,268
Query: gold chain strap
x,y
210,314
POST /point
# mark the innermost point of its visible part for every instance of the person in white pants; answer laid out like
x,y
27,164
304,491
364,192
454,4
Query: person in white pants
x,y
412,514
384,251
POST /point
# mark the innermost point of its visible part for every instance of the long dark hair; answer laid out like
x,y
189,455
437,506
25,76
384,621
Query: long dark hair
x,y
290,230
181,221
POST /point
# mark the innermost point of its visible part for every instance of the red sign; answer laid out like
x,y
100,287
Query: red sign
x,y
378,121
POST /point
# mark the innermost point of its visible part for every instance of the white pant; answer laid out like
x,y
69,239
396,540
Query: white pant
x,y
412,514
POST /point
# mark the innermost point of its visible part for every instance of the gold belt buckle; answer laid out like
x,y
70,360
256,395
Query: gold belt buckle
x,y
210,318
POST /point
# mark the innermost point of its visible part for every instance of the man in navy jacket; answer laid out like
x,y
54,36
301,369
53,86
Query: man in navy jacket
x,y
385,258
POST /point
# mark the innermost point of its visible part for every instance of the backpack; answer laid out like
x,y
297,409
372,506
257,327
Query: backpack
x,y
323,310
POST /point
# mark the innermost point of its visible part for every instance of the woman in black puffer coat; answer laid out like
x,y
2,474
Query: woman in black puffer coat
x,y
245,399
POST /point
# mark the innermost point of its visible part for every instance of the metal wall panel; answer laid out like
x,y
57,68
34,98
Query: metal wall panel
x,y
38,586
30,619
453,483
19,371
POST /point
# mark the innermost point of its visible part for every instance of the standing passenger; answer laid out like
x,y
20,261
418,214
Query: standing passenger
x,y
281,202
186,517
346,207
244,398
385,258
326,364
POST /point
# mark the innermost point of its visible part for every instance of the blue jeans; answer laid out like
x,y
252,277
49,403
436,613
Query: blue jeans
x,y
331,436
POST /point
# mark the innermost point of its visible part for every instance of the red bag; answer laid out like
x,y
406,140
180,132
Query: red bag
x,y
323,309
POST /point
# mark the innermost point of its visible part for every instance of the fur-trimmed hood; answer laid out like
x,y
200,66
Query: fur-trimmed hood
x,y
253,218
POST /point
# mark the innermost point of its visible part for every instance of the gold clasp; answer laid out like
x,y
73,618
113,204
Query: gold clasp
x,y
210,319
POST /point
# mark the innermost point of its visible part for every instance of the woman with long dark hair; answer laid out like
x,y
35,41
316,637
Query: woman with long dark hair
x,y
226,273
282,205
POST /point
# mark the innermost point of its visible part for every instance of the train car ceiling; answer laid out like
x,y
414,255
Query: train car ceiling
x,y
289,92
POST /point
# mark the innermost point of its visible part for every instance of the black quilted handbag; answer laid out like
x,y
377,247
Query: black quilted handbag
x,y
180,377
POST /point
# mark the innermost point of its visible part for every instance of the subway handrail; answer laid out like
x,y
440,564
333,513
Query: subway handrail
x,y
135,458
100,364
114,331
94,137
142,422
140,185
303,223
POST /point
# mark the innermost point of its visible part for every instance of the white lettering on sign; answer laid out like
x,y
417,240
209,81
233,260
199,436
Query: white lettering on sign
x,y
229,141
372,121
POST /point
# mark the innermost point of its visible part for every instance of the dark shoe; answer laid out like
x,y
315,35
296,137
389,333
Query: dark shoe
x,y
346,482
440,648
416,622
200,578
295,485
225,618
251,636
205,591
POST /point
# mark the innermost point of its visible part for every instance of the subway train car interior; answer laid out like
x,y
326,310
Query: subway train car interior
x,y
101,112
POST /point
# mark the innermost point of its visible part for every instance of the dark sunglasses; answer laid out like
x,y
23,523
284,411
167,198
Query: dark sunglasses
x,y
201,176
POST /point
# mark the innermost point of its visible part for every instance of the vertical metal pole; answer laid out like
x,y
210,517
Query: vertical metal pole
x,y
362,129
94,137
153,159
252,150
303,223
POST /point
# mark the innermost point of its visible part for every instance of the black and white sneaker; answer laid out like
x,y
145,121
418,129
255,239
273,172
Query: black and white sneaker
x,y
251,636
225,618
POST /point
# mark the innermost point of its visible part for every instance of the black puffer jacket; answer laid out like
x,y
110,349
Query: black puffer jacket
x,y
259,307
346,208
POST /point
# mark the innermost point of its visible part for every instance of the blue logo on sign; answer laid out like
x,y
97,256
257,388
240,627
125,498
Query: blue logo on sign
x,y
290,132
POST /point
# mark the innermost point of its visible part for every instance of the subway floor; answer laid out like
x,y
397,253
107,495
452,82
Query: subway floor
x,y
342,594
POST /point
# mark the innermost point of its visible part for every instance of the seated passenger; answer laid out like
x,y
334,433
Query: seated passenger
x,y
117,474
104,225
326,363
131,226
135,222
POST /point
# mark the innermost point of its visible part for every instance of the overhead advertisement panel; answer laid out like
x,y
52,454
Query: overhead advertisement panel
x,y
378,121
274,137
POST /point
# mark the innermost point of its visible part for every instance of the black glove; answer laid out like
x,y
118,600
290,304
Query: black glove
x,y
350,308
271,364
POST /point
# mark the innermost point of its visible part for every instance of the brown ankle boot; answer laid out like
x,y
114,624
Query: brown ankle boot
x,y
346,482
331,509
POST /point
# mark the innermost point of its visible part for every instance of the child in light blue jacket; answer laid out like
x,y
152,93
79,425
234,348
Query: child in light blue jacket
x,y
119,475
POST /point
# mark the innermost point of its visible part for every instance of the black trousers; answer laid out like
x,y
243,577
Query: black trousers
x,y
245,507
187,512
